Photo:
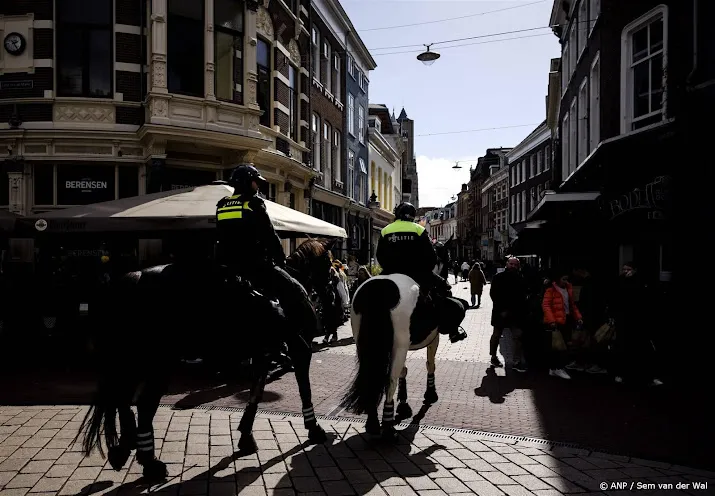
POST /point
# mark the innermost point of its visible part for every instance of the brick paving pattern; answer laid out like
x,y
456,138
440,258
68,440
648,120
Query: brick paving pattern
x,y
38,456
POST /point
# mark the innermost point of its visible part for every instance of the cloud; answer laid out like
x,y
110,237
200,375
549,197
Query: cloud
x,y
438,181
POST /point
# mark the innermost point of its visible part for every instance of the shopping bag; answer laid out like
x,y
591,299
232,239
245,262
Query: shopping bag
x,y
605,333
579,339
557,341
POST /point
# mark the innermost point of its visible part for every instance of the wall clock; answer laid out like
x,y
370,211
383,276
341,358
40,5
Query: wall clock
x,y
15,43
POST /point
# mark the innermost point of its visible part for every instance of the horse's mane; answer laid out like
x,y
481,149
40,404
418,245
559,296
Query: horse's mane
x,y
308,250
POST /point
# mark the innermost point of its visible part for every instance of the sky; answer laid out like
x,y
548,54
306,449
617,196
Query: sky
x,y
475,86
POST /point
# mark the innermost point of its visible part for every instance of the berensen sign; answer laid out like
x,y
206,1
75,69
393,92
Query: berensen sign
x,y
86,185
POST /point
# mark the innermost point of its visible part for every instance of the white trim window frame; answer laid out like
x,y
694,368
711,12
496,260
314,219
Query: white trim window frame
x,y
539,162
328,169
565,147
532,166
351,114
594,121
349,66
547,158
583,115
336,66
651,28
337,170
573,42
517,213
361,124
316,128
523,171
573,136
351,175
565,68
594,11
315,53
524,212
582,26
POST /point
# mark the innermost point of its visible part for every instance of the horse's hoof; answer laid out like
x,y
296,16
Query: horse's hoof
x,y
155,470
317,435
431,396
404,411
118,456
372,428
389,434
247,444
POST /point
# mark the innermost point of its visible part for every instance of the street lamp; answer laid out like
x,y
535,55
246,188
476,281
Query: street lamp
x,y
427,57
457,166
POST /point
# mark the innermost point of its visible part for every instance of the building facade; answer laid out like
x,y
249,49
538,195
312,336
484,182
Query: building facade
x,y
495,211
358,63
529,175
385,170
410,180
465,223
114,98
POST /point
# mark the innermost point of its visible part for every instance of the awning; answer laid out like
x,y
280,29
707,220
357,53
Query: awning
x,y
189,208
553,205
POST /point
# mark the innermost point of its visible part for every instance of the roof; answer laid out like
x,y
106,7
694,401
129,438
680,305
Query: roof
x,y
403,115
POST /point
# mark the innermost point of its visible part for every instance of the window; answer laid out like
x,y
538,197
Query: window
x,y
43,184
84,48
565,74
327,80
363,81
294,113
315,127
349,65
573,137
523,205
361,124
511,176
539,161
582,121
523,170
228,24
185,52
547,158
512,215
351,175
336,86
263,68
372,176
337,169
532,199
565,147
315,54
573,44
595,11
582,26
594,120
379,186
351,114
532,164
327,140
644,61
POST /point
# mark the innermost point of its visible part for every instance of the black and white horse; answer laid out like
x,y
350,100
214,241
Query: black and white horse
x,y
389,318
151,317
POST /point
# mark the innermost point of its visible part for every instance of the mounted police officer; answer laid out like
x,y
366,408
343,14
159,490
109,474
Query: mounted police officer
x,y
250,247
405,248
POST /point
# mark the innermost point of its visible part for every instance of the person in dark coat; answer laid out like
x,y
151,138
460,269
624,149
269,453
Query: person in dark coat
x,y
509,297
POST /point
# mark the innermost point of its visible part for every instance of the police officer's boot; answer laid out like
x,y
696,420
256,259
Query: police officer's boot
x,y
457,335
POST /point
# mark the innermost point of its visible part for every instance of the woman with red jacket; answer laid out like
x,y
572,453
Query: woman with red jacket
x,y
560,314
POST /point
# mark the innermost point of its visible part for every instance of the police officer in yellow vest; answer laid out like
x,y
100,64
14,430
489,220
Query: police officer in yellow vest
x,y
405,248
250,247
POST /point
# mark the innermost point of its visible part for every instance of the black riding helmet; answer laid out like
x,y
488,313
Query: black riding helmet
x,y
242,177
405,211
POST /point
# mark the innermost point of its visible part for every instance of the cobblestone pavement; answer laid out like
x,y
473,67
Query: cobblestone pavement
x,y
38,456
591,411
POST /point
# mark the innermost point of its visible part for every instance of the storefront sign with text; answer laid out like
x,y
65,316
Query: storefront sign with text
x,y
654,197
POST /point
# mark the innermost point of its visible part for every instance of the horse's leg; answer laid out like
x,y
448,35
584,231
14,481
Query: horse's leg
x,y
403,408
431,393
300,354
399,353
147,405
372,426
259,365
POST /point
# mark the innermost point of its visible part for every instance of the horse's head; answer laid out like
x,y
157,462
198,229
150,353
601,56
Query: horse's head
x,y
311,261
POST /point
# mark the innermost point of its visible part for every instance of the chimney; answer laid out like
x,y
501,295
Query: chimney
x,y
464,188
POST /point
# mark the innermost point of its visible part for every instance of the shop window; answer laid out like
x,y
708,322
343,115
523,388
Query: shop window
x,y
84,184
44,184
84,48
185,52
263,67
177,178
128,181
228,22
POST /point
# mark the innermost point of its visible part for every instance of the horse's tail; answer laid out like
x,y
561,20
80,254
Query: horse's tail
x,y
373,302
100,419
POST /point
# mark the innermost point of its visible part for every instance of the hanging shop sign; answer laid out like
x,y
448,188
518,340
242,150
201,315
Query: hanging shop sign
x,y
655,198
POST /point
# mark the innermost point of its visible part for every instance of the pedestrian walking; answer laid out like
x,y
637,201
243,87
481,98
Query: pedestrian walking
x,y
509,298
477,281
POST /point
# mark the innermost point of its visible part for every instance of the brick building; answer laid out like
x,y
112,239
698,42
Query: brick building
x,y
529,175
114,98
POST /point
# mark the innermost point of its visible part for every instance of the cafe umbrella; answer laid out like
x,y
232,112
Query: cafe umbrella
x,y
180,209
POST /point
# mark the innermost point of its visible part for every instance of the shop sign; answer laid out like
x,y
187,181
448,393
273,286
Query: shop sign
x,y
25,84
655,197
82,185
86,185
